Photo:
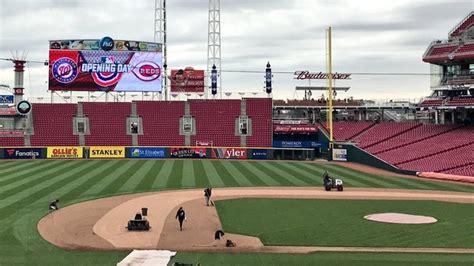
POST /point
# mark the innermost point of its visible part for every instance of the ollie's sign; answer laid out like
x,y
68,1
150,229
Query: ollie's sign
x,y
308,75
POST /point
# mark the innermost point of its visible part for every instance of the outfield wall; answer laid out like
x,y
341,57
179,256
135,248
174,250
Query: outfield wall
x,y
121,152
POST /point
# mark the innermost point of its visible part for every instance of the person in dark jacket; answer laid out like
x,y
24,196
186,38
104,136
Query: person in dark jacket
x,y
207,195
181,216
54,205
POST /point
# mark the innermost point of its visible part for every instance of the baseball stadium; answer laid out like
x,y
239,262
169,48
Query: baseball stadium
x,y
211,180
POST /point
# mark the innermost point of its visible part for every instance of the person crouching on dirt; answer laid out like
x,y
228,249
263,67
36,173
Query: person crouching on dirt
x,y
54,205
181,216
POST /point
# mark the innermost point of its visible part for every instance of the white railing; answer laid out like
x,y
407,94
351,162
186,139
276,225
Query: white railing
x,y
460,23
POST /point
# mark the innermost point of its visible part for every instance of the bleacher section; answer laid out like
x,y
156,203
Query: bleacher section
x,y
417,134
382,132
107,123
160,123
438,144
215,121
260,111
12,142
465,170
53,125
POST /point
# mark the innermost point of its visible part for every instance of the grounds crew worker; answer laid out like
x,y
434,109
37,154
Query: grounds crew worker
x,y
54,205
181,216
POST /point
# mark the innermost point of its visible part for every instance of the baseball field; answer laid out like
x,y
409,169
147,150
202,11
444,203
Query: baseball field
x,y
27,187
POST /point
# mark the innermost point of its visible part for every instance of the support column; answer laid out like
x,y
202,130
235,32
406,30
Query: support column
x,y
436,117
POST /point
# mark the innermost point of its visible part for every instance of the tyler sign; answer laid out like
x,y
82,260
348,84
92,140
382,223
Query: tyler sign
x,y
320,75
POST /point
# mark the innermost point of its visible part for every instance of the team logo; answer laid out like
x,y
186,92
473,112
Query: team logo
x,y
64,70
147,71
10,152
107,72
106,44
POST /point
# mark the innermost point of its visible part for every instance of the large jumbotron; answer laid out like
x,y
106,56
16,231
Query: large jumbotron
x,y
246,181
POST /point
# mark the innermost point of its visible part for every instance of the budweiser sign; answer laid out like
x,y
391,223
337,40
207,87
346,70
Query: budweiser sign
x,y
320,75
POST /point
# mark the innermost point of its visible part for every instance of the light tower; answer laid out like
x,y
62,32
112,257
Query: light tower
x,y
160,36
214,42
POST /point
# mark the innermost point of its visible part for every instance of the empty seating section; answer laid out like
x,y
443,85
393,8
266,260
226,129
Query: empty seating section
x,y
441,51
53,125
464,25
348,130
381,132
260,111
337,102
215,121
443,161
466,170
411,136
12,142
432,102
160,123
468,47
107,124
457,102
437,144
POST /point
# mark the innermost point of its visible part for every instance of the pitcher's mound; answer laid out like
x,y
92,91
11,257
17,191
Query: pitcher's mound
x,y
400,218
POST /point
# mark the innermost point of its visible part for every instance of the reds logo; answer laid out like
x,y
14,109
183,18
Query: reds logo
x,y
10,152
147,71
64,70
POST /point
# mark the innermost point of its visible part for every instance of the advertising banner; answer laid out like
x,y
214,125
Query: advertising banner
x,y
229,153
11,134
95,44
64,152
302,129
6,99
187,80
8,111
98,70
259,154
339,155
296,144
188,152
23,153
139,152
106,152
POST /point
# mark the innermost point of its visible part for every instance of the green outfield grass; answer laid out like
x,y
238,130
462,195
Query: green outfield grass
x,y
309,222
26,188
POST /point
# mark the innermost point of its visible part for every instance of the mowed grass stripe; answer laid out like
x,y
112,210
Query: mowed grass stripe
x,y
107,180
147,183
28,183
162,177
188,179
136,177
318,176
214,179
267,180
114,187
60,192
366,179
240,178
316,169
28,173
20,166
283,177
201,180
228,178
95,177
14,204
174,180
251,176
305,177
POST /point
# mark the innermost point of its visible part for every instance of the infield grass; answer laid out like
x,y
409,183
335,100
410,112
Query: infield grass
x,y
311,222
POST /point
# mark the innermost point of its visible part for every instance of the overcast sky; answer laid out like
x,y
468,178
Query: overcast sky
x,y
368,36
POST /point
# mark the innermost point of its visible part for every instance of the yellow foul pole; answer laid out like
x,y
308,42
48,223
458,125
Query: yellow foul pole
x,y
330,93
